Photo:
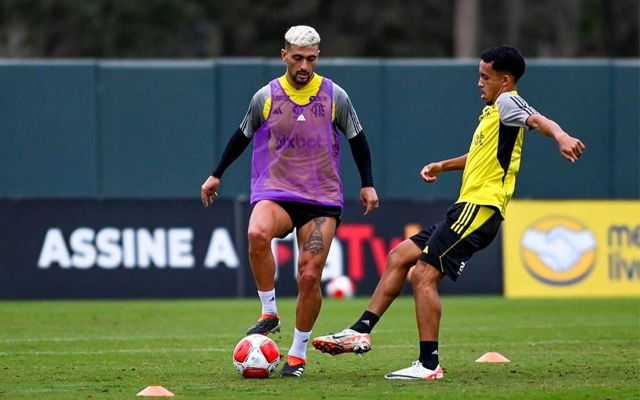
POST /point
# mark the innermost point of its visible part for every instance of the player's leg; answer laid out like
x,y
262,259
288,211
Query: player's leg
x,y
268,220
467,229
314,241
356,339
399,261
425,279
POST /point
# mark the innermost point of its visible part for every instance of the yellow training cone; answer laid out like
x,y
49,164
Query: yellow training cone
x,y
155,391
492,357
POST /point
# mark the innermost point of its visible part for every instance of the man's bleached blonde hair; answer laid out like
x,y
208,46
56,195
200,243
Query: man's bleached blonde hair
x,y
302,36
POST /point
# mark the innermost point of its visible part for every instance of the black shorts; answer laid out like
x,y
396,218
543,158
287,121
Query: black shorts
x,y
449,244
301,213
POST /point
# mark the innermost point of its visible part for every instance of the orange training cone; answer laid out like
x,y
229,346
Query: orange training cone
x,y
155,391
492,357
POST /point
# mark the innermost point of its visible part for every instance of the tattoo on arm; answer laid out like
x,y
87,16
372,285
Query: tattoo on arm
x,y
314,243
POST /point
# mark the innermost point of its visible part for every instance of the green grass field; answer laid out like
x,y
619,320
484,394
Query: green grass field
x,y
559,349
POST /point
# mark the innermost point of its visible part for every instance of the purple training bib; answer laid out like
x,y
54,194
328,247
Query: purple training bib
x,y
296,152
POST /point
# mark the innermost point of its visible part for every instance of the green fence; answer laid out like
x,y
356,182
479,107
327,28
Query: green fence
x,y
155,129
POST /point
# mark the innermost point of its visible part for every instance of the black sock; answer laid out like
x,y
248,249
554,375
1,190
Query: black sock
x,y
366,323
429,354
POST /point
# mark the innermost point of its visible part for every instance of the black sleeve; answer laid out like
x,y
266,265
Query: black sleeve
x,y
362,157
236,145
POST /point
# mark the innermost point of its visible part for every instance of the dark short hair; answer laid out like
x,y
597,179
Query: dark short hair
x,y
505,58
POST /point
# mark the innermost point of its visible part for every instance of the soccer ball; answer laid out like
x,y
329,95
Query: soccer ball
x,y
340,287
256,356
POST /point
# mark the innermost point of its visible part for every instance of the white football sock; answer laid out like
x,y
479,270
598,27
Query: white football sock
x,y
299,346
268,300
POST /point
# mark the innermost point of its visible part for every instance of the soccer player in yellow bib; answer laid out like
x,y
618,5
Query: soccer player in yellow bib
x,y
488,181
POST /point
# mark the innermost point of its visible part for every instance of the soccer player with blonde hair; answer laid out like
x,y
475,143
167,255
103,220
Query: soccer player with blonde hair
x,y
295,180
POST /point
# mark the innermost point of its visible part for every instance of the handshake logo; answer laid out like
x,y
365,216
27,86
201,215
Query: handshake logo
x,y
558,251
298,142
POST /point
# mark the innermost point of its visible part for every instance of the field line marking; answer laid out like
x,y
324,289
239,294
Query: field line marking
x,y
387,346
114,338
231,335
525,343
114,351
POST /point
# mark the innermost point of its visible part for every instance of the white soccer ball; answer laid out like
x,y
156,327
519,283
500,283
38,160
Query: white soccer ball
x,y
256,356
340,287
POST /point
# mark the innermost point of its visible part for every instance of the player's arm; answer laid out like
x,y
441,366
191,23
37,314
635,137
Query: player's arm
x,y
236,145
362,157
346,120
515,111
431,171
570,147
